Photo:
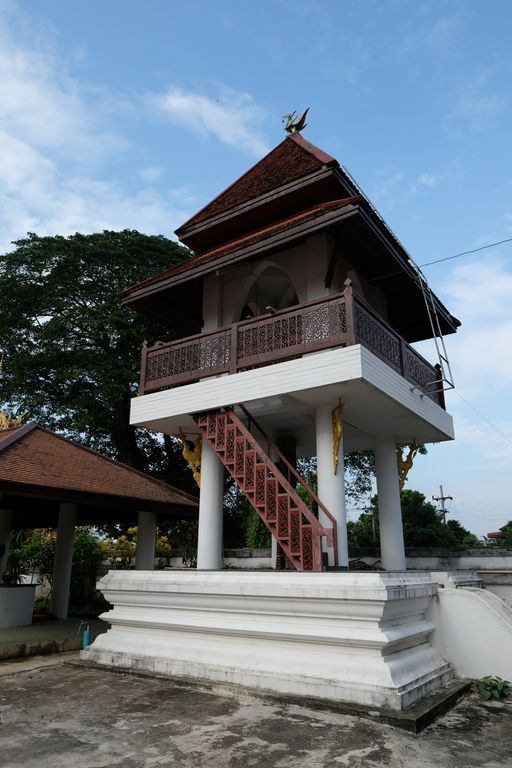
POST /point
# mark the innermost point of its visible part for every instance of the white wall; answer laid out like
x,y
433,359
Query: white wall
x,y
473,631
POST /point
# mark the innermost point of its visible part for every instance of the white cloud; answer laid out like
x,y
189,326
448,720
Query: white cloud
x,y
54,140
233,118
386,188
150,173
59,136
391,186
478,293
478,434
424,181
475,105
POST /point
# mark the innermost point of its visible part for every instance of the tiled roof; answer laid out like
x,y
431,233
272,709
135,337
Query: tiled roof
x,y
245,240
5,433
33,456
291,160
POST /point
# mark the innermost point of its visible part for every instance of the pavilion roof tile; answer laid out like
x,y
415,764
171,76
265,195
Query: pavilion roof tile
x,y
33,456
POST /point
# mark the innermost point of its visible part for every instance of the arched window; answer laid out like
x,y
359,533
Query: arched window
x,y
270,289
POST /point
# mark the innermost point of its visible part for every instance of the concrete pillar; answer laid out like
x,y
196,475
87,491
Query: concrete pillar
x,y
146,535
390,515
209,537
331,487
63,561
5,534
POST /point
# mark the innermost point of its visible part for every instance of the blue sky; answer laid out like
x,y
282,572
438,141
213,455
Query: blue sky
x,y
134,114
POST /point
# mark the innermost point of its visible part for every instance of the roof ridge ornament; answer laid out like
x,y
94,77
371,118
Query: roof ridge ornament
x,y
9,421
295,124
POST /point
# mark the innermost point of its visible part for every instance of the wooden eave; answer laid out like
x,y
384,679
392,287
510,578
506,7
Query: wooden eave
x,y
249,252
97,502
190,235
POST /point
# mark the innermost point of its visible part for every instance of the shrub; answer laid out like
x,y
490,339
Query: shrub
x,y
490,687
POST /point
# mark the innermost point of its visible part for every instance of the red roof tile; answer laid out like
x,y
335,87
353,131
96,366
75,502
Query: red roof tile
x,y
291,160
33,456
245,240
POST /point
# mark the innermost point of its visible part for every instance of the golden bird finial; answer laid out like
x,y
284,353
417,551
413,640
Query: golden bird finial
x,y
295,124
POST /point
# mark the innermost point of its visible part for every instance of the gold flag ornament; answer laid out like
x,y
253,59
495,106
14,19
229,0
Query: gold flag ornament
x,y
337,434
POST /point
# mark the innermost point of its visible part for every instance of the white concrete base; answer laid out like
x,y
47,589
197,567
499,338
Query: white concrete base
x,y
356,637
16,605
473,631
457,579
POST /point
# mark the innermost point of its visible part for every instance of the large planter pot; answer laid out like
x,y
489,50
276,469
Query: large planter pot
x,y
16,604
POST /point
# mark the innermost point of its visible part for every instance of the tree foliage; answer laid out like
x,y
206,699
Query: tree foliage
x,y
72,351
422,526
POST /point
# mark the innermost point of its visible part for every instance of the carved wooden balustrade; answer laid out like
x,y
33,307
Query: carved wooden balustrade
x,y
341,320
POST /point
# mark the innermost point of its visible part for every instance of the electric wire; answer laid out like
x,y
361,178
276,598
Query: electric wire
x,y
465,253
439,261
496,429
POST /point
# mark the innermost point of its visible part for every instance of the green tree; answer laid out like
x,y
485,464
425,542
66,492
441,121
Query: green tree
x,y
364,532
464,539
422,526
72,351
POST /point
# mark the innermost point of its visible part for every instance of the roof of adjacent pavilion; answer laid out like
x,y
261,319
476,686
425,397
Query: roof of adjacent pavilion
x,y
39,470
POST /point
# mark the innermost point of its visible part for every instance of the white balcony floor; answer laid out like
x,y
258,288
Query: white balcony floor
x,y
283,397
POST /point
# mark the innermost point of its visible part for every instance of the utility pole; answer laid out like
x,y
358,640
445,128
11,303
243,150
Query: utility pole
x,y
442,499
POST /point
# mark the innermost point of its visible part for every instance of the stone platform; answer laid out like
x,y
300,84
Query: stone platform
x,y
355,637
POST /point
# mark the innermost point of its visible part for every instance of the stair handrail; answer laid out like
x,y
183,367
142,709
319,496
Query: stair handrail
x,y
306,511
272,446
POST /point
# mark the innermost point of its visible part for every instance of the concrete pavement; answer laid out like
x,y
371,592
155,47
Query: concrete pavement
x,y
55,714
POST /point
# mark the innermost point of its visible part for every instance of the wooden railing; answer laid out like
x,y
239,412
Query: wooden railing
x,y
338,321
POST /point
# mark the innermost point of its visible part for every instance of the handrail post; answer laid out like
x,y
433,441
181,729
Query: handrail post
x,y
348,293
143,361
233,362
403,357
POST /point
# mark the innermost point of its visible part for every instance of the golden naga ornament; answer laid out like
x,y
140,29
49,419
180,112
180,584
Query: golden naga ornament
x,y
405,464
337,434
8,421
192,454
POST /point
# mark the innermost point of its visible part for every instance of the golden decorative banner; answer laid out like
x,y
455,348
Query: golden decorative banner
x,y
337,434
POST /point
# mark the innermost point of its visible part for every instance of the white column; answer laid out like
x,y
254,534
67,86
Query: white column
x,y
63,561
209,537
146,535
5,533
331,487
390,514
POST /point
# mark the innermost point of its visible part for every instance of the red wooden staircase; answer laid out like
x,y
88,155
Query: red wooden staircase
x,y
289,519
